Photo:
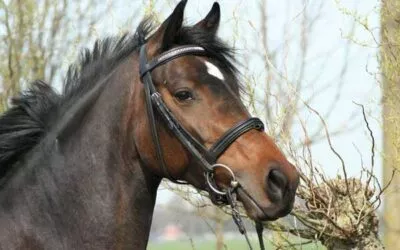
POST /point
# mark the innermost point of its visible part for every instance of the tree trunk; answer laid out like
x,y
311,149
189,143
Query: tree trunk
x,y
390,67
219,229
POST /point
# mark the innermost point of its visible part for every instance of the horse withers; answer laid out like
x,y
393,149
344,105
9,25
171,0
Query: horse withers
x,y
80,170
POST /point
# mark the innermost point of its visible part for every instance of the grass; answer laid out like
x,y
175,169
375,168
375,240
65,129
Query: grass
x,y
233,244
199,245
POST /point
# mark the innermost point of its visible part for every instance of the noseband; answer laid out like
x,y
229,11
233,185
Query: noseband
x,y
206,158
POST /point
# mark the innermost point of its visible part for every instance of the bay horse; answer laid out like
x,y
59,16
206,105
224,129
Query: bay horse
x,y
80,169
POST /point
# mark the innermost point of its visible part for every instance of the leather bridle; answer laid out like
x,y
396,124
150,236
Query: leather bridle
x,y
206,157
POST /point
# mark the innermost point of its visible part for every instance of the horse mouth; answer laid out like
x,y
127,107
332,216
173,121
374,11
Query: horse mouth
x,y
259,213
254,210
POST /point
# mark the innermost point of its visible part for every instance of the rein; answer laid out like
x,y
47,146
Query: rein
x,y
206,158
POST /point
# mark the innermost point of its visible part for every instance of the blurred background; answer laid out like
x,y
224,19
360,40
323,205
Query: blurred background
x,y
322,74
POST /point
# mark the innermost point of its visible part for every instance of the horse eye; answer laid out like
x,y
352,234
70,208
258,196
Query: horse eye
x,y
183,95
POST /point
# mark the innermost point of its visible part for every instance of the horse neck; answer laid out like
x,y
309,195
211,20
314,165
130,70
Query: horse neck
x,y
121,188
100,196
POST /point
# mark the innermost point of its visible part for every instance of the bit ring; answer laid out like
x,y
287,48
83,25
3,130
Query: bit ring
x,y
209,178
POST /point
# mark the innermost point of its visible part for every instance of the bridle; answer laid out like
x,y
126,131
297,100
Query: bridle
x,y
206,157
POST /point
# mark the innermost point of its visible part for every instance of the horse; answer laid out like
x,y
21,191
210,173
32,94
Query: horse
x,y
80,169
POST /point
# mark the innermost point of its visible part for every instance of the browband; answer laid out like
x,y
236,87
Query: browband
x,y
168,56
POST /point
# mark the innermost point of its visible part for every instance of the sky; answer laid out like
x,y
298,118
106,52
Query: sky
x,y
325,57
329,49
345,32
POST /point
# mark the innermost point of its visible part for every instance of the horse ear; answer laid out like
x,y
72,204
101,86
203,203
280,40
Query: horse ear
x,y
211,22
174,23
165,36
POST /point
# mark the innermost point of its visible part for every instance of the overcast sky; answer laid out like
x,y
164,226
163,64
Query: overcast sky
x,y
240,27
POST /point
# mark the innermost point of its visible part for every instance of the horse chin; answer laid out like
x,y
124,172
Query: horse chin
x,y
258,213
253,210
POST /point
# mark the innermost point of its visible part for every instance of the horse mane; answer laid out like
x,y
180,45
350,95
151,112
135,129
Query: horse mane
x,y
109,52
32,113
97,63
24,124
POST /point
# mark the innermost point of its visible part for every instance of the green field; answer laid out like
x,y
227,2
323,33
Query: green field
x,y
237,244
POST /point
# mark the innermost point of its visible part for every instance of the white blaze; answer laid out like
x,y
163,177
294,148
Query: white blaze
x,y
214,71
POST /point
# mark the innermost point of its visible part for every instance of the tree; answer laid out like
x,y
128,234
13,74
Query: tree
x,y
37,34
390,67
341,211
37,38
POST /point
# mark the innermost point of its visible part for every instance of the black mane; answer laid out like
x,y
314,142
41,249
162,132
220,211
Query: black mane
x,y
109,52
27,121
23,125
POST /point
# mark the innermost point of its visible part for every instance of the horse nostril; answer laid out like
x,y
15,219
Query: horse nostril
x,y
276,185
